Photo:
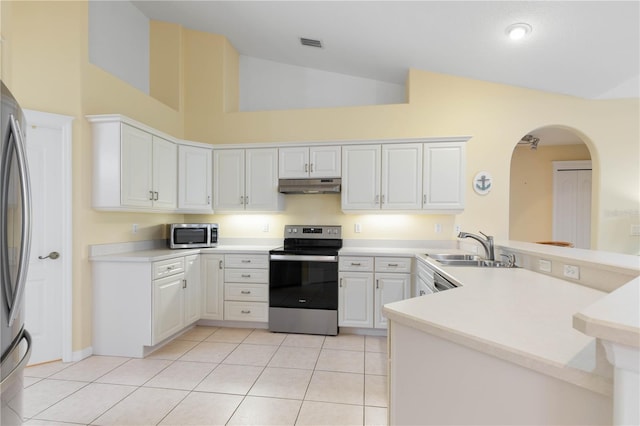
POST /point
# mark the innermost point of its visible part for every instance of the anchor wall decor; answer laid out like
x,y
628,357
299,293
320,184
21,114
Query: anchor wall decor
x,y
482,183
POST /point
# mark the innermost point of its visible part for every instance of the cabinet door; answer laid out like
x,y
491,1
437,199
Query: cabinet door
x,y
192,289
355,299
389,288
168,307
325,162
212,286
194,179
361,177
165,174
261,192
228,182
401,177
137,167
294,162
444,176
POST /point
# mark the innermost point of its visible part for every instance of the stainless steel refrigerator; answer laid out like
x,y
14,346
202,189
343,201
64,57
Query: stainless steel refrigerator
x,y
15,244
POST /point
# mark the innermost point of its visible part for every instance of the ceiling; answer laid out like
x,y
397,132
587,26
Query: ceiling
x,y
585,49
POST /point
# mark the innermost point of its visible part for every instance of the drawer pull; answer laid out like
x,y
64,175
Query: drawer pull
x,y
246,275
220,265
377,283
356,264
422,293
245,261
302,300
392,264
245,292
184,283
245,312
169,268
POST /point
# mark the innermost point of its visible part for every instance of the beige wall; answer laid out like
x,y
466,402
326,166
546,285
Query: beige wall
x,y
49,71
531,191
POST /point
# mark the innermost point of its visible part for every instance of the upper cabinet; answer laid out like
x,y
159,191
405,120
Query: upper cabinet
x,y
195,179
246,180
134,169
420,177
310,162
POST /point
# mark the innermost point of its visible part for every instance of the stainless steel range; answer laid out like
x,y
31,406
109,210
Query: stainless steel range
x,y
303,281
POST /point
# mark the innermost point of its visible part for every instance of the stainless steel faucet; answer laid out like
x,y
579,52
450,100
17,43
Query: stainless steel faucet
x,y
487,243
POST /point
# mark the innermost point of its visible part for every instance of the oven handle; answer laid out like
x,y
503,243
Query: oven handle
x,y
302,258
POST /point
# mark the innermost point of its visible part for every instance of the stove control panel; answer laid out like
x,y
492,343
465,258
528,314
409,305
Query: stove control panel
x,y
313,231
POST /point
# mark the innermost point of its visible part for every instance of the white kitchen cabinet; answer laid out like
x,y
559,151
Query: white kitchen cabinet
x,y
382,177
246,287
401,177
361,169
246,180
193,289
423,280
134,167
212,286
310,162
444,176
138,305
195,179
366,284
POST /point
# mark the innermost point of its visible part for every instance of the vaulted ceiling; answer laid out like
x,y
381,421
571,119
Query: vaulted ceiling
x,y
589,49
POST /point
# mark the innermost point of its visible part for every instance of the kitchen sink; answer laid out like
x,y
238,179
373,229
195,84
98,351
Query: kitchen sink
x,y
454,257
479,263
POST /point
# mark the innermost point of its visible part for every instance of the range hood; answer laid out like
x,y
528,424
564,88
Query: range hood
x,y
310,186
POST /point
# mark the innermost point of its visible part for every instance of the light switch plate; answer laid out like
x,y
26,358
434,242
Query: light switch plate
x,y
571,271
358,228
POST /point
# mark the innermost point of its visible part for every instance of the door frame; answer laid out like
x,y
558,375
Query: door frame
x,y
64,123
569,165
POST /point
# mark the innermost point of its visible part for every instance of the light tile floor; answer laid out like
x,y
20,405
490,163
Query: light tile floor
x,y
218,376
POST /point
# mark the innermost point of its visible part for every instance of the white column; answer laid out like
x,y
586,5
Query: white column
x,y
626,382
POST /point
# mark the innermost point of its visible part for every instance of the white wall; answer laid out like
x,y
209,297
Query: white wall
x,y
267,85
119,41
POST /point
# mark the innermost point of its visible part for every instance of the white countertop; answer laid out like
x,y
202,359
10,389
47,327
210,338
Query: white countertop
x,y
615,317
513,314
166,253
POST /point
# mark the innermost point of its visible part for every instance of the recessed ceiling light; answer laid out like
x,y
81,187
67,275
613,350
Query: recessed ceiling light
x,y
518,31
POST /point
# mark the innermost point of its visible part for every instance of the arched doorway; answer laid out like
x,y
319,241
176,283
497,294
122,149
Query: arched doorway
x,y
534,211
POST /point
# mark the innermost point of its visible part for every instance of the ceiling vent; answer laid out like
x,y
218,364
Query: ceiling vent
x,y
310,42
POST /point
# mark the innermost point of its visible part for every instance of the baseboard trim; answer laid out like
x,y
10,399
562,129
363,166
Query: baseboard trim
x,y
81,354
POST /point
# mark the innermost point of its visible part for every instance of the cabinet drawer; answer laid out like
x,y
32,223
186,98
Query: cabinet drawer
x,y
246,261
393,264
246,276
246,311
246,292
166,268
355,263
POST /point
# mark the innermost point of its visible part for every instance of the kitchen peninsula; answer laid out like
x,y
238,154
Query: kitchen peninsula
x,y
503,345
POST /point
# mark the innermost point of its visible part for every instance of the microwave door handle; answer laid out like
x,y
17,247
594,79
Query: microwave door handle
x,y
25,249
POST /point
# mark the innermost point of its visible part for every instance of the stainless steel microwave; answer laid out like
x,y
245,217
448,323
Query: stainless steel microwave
x,y
192,235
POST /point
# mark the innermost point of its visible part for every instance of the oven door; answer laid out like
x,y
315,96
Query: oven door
x,y
303,282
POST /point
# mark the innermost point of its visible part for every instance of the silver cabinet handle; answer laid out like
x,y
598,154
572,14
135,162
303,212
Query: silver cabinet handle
x,y
377,283
356,264
340,282
184,283
382,198
245,312
220,265
424,199
245,261
208,199
241,199
53,256
392,264
151,195
246,200
306,167
377,199
246,275
422,293
245,292
156,198
311,168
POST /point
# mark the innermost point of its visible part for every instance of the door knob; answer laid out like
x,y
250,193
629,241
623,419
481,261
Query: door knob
x,y
53,256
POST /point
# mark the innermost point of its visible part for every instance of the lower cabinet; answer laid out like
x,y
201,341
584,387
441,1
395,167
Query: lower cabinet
x,y
424,280
246,287
365,286
212,286
140,304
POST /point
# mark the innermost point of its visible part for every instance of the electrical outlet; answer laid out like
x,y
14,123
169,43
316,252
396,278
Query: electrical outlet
x,y
544,265
635,230
437,228
571,271
457,229
358,228
134,228
265,227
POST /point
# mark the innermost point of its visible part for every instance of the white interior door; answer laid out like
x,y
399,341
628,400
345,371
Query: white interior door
x,y
48,280
572,203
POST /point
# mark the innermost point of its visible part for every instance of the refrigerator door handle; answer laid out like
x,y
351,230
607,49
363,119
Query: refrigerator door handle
x,y
25,249
23,362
